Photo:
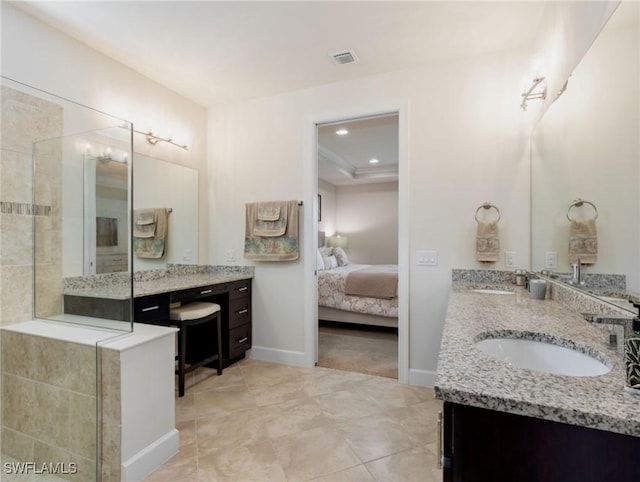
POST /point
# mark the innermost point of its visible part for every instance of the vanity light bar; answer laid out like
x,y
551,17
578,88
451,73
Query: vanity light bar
x,y
154,139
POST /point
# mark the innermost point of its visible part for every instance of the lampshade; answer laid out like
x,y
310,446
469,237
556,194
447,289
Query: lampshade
x,y
337,241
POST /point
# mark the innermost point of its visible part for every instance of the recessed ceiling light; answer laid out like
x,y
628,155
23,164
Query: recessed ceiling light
x,y
373,161
342,132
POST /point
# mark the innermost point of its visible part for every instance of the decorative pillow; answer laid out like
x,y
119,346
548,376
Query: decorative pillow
x,y
325,251
319,261
330,262
341,256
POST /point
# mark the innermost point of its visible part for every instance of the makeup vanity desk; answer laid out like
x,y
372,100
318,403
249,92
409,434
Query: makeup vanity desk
x,y
102,296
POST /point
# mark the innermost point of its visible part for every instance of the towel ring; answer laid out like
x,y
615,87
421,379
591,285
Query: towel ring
x,y
578,203
487,206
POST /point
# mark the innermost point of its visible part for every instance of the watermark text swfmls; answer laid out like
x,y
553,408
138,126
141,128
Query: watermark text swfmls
x,y
54,468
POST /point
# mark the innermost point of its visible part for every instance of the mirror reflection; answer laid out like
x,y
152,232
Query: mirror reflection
x,y
586,168
167,194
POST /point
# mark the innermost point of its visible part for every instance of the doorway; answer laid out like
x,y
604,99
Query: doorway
x,y
358,233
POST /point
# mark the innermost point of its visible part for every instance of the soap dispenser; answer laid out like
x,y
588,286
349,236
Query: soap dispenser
x,y
632,353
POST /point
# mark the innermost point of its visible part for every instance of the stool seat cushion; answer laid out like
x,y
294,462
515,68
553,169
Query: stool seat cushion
x,y
193,311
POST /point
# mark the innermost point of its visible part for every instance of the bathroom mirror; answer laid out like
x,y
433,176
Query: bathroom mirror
x,y
103,177
586,147
161,184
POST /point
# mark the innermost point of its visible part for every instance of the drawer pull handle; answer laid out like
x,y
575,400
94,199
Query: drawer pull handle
x,y
151,308
244,288
242,312
242,340
206,292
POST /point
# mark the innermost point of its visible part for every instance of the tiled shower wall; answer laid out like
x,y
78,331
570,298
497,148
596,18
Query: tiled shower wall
x,y
48,386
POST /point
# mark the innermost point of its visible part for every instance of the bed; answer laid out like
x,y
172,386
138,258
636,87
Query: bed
x,y
359,293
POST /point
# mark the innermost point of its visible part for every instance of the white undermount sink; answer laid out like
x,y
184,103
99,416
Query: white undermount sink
x,y
542,356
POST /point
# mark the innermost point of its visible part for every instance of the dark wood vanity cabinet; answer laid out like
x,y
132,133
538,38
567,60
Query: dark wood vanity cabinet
x,y
236,336
233,297
485,445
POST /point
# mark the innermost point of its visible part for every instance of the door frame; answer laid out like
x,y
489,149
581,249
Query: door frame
x,y
310,141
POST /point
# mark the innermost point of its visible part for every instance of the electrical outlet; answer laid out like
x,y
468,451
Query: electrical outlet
x,y
427,258
231,256
510,259
550,259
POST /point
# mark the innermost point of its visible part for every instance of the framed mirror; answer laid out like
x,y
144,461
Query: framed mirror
x,y
586,166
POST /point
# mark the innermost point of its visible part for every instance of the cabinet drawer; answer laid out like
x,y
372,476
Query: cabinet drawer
x,y
198,293
152,309
239,312
239,289
239,340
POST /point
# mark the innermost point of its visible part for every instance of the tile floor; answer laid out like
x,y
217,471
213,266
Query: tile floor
x,y
266,422
358,348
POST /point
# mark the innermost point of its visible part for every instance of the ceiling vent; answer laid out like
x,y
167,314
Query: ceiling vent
x,y
344,57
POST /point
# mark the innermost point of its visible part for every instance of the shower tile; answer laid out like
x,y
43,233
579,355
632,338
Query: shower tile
x,y
81,369
110,384
50,414
15,183
17,354
82,425
50,363
49,454
16,232
17,445
18,399
16,294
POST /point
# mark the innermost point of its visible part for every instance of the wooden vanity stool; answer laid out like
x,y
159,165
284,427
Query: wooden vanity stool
x,y
189,315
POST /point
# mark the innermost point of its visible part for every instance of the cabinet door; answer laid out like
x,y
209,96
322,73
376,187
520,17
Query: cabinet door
x,y
493,446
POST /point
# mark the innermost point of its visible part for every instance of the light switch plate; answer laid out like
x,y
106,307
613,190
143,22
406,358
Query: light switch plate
x,y
550,259
231,256
427,258
510,259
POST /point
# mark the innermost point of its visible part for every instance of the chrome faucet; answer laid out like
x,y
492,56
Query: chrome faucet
x,y
577,274
619,320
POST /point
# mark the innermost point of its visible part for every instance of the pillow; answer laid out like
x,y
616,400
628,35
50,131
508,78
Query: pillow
x,y
330,262
341,256
319,261
325,251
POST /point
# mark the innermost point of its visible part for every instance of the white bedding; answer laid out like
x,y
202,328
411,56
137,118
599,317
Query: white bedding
x,y
331,284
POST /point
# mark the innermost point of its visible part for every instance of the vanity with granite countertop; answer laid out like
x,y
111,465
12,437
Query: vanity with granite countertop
x,y
109,296
502,422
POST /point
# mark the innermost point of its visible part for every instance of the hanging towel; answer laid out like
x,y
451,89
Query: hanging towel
x,y
583,241
487,242
268,246
270,219
144,225
151,246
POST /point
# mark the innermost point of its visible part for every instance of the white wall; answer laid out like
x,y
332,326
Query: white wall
x,y
468,144
368,215
35,54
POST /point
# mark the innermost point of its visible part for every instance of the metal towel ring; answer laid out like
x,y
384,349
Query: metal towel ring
x,y
487,206
578,203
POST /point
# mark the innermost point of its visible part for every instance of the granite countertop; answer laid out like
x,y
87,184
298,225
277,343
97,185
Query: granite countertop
x,y
467,376
120,289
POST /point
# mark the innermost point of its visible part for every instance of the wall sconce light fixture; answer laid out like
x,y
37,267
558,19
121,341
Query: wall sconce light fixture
x,y
531,95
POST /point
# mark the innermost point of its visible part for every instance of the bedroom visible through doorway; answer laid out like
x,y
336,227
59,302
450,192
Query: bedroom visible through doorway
x,y
357,259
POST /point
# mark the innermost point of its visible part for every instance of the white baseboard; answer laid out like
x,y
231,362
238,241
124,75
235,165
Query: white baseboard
x,y
274,355
151,457
422,378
